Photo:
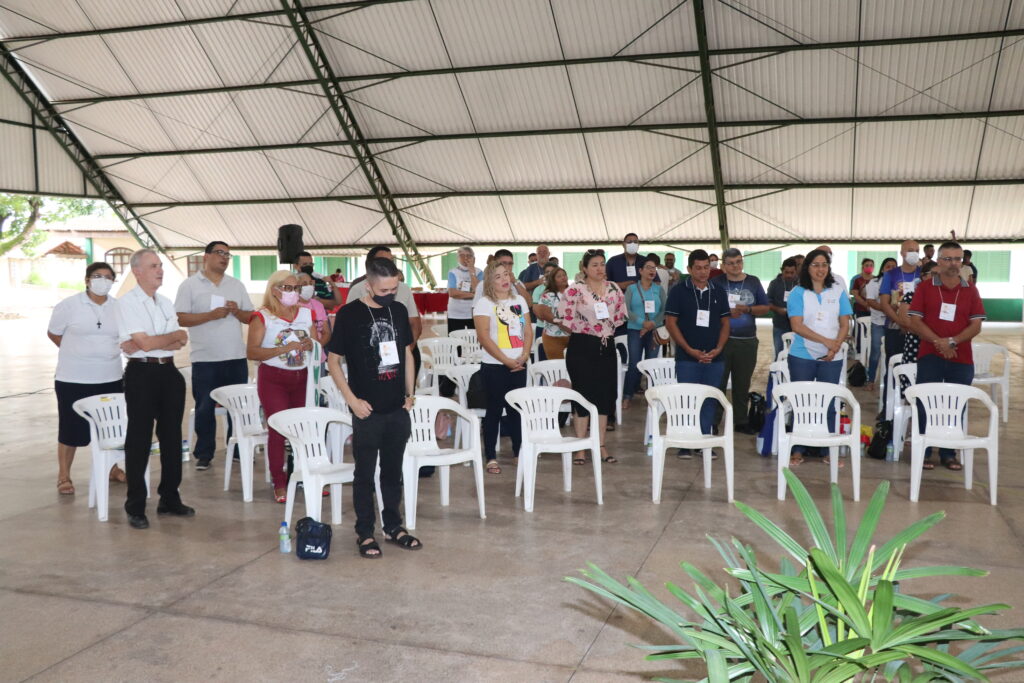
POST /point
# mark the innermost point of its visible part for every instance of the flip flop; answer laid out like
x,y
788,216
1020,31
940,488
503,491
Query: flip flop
x,y
493,467
954,465
579,461
65,487
927,465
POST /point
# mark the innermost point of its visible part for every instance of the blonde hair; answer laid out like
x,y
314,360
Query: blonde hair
x,y
270,302
489,290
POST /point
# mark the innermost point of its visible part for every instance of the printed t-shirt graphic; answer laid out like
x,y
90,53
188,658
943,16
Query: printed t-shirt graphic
x,y
384,341
510,325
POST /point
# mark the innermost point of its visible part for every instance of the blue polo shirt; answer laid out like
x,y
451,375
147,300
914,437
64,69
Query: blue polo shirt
x,y
683,302
615,268
752,294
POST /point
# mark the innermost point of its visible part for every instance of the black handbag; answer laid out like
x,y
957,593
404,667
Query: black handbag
x,y
756,411
880,440
476,392
856,376
312,539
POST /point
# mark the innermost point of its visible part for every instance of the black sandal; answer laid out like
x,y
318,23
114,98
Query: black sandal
x,y
403,539
365,550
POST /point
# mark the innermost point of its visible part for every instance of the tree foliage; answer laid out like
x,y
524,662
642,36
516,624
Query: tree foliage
x,y
22,215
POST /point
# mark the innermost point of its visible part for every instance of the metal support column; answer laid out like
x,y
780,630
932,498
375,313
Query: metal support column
x,y
700,26
343,112
48,117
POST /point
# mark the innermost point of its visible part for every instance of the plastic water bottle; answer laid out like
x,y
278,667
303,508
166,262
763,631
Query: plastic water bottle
x,y
285,539
889,453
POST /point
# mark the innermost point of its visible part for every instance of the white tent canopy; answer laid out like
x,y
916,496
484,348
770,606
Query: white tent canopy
x,y
502,121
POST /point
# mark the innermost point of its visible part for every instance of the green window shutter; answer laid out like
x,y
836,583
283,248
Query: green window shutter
x,y
448,261
764,265
332,263
571,263
993,266
520,262
236,266
262,267
876,256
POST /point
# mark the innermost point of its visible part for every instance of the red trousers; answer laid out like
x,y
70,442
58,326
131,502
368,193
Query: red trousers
x,y
279,390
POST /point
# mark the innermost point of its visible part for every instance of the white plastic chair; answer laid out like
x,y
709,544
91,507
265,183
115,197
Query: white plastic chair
x,y
535,349
891,385
681,404
306,430
945,418
460,376
247,432
843,355
621,366
539,406
778,371
422,450
436,354
337,434
108,421
984,354
658,371
315,369
901,410
471,350
787,340
808,402
862,338
218,411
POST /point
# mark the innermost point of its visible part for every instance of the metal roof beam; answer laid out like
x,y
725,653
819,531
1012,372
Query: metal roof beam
x,y
198,21
319,62
48,118
697,125
719,52
593,190
700,27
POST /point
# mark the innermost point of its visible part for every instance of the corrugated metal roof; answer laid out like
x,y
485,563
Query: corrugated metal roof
x,y
388,39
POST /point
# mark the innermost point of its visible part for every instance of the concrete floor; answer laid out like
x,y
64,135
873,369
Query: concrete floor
x,y
211,599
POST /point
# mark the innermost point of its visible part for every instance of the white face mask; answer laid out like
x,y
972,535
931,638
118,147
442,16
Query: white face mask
x,y
632,247
913,258
100,286
306,292
714,264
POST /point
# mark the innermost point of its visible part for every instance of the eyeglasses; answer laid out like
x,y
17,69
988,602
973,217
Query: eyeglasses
x,y
951,259
735,262
818,264
290,288
221,252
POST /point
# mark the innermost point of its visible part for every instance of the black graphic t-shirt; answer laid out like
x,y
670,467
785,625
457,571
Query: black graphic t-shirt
x,y
361,334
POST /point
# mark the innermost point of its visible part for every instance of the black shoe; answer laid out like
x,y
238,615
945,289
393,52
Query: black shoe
x,y
202,464
684,453
138,521
177,509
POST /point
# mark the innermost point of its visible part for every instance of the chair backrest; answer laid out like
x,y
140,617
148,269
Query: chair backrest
x,y
622,346
787,340
535,349
423,437
658,370
471,349
843,354
314,370
242,402
985,353
332,395
945,406
460,376
107,416
547,372
779,371
440,351
907,372
439,330
306,429
682,402
808,402
538,407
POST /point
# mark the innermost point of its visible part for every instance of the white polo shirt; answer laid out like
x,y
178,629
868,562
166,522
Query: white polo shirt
x,y
88,353
151,315
214,340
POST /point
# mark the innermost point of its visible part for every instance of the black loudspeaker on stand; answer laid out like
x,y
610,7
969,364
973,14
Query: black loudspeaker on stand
x,y
289,243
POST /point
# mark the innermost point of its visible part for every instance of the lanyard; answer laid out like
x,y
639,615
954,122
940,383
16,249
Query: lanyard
x,y
955,299
644,298
373,320
728,284
697,296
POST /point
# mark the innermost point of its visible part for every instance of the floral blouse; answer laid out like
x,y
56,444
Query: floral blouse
x,y
576,309
551,299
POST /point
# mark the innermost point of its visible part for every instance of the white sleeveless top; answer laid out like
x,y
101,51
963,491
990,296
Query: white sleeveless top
x,y
281,332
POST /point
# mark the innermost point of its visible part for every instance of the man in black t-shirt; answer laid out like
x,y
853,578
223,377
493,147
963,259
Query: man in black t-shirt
x,y
376,340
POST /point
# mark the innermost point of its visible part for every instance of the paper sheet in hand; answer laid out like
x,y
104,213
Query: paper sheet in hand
x,y
216,301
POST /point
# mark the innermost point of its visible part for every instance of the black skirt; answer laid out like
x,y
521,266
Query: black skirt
x,y
72,429
592,371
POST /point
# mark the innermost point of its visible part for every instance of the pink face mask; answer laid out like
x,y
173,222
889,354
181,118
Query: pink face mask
x,y
289,298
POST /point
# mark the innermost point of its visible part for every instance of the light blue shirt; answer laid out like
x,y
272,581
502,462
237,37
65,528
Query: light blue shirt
x,y
635,298
832,310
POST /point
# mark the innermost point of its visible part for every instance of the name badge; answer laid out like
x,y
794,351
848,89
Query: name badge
x,y
703,318
734,299
947,312
908,287
601,310
630,271
820,316
464,286
648,306
389,353
785,297
515,327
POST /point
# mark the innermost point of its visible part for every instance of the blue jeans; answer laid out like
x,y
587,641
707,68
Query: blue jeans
x,y
708,374
804,370
207,376
877,334
777,333
637,344
935,368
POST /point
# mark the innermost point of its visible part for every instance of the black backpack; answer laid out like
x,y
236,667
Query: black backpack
x,y
880,440
312,539
756,411
856,376
476,392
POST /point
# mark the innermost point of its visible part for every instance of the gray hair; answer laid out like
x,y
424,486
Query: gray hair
x,y
731,252
466,249
136,257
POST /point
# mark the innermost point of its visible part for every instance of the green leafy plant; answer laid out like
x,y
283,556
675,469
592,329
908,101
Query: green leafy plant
x,y
837,614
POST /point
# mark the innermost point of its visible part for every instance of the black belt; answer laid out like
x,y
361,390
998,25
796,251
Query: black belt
x,y
161,360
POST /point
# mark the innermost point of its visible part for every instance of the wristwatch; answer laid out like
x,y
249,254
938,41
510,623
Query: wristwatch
x,y
951,342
